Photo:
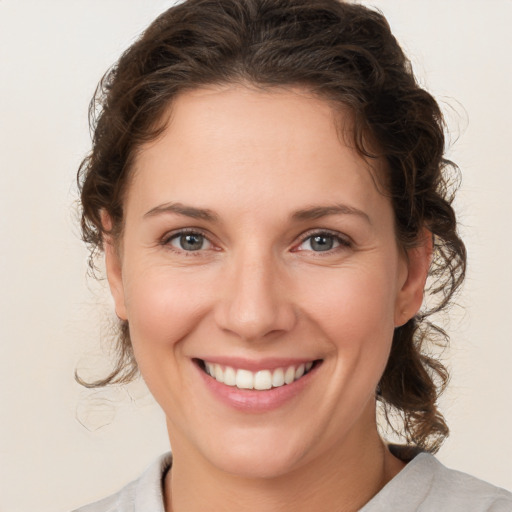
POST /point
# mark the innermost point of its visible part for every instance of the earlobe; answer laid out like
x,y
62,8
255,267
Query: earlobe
x,y
410,295
113,267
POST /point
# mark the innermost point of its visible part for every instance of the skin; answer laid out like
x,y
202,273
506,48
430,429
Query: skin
x,y
257,288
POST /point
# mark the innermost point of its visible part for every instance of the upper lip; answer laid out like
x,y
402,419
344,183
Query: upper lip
x,y
254,365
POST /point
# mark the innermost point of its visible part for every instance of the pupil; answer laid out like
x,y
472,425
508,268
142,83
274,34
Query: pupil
x,y
191,242
322,243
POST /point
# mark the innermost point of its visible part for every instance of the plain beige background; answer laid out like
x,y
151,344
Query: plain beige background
x,y
61,445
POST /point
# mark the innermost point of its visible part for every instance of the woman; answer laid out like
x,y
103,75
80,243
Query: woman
x,y
268,185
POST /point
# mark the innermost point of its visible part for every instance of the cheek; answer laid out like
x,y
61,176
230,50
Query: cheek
x,y
354,310
163,306
351,303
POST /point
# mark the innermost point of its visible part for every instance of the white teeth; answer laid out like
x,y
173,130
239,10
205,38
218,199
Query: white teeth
x,y
278,378
219,374
244,379
289,376
260,380
299,372
263,380
229,376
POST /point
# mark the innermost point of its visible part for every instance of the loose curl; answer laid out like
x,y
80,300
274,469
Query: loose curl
x,y
341,52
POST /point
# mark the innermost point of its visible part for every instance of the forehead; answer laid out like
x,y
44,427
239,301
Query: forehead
x,y
235,140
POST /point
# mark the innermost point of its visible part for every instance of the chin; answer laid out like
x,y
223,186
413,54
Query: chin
x,y
259,453
255,463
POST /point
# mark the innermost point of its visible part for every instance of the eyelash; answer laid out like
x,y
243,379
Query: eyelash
x,y
166,241
343,241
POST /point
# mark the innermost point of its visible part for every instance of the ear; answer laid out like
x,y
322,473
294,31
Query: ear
x,y
417,264
113,267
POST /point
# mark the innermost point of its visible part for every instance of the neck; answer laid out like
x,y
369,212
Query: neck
x,y
343,479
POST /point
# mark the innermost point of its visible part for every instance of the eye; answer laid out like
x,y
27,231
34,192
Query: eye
x,y
322,242
189,241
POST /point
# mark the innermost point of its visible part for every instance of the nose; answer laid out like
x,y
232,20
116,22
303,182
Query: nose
x,y
254,301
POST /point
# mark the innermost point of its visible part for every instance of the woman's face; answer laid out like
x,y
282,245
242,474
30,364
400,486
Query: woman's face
x,y
258,248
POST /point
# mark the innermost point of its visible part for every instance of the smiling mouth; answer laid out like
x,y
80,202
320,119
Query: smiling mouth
x,y
260,380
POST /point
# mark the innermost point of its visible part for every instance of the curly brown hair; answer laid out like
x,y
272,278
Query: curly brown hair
x,y
341,52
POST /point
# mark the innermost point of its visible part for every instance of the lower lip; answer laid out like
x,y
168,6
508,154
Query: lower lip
x,y
250,400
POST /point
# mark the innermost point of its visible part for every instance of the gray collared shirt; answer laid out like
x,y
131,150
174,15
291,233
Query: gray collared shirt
x,y
424,485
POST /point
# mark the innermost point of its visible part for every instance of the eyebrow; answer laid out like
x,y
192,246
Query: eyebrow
x,y
312,213
317,212
181,209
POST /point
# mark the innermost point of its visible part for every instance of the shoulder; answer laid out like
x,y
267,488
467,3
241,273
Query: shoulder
x,y
141,495
453,488
426,485
470,487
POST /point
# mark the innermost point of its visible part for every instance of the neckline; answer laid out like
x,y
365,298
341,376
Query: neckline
x,y
411,455
419,459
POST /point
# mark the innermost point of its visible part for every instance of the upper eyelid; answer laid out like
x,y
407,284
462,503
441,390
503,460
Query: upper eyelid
x,y
185,231
165,241
330,232
320,231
